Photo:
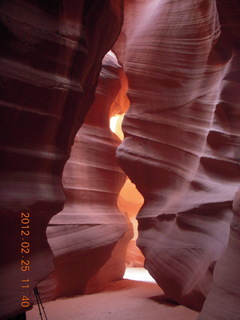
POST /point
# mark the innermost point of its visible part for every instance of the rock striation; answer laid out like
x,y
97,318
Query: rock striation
x,y
179,61
180,139
51,53
89,237
223,299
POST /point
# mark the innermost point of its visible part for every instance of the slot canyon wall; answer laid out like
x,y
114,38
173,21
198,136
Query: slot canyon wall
x,y
180,147
89,237
51,54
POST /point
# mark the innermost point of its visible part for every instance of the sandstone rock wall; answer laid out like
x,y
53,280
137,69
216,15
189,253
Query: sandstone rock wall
x,y
223,300
180,145
51,53
89,236
180,148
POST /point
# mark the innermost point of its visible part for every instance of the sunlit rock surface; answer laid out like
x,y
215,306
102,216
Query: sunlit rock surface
x,y
130,201
181,136
91,235
51,53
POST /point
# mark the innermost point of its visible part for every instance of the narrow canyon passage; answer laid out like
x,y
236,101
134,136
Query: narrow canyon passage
x,y
80,202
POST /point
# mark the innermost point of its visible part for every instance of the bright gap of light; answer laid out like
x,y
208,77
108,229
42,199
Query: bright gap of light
x,y
138,274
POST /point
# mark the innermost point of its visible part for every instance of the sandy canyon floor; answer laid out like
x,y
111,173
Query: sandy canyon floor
x,y
136,297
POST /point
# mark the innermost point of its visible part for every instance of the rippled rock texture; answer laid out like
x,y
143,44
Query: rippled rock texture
x,y
89,237
181,137
223,301
181,146
51,53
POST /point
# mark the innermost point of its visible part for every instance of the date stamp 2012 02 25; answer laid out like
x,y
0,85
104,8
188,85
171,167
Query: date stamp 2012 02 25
x,y
25,264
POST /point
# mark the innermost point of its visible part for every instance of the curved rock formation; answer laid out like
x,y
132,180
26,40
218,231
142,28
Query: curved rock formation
x,y
178,149
223,299
130,201
181,147
51,53
90,236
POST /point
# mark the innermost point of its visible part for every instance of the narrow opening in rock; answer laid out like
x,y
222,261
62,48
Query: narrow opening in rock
x,y
130,202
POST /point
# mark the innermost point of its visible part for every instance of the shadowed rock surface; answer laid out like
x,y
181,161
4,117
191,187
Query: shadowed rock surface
x,y
51,55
